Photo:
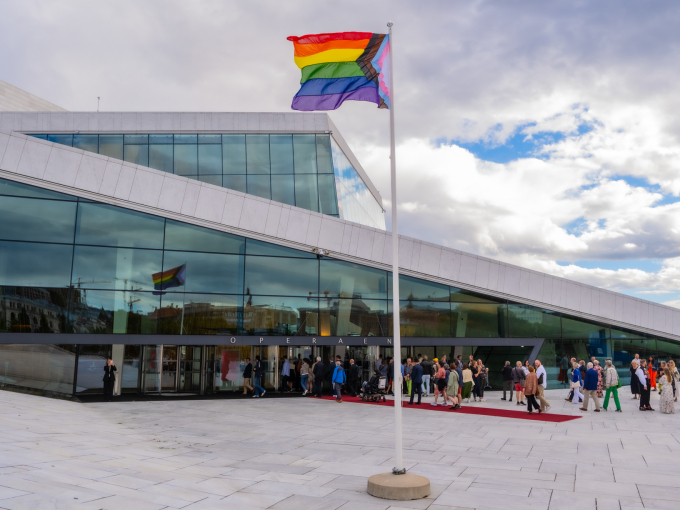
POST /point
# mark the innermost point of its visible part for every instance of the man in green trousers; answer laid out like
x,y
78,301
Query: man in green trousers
x,y
611,382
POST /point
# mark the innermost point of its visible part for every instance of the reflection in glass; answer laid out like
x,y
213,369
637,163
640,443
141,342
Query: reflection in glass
x,y
182,236
283,189
161,157
136,139
210,160
254,247
29,219
258,185
35,264
281,154
234,154
346,279
215,180
415,288
422,319
324,158
111,146
46,367
279,276
230,362
137,154
477,320
186,139
108,225
580,328
306,192
257,154
115,268
199,314
151,368
186,159
466,296
33,310
210,138
525,321
113,312
24,190
280,316
161,138
88,143
235,182
207,272
304,150
131,368
327,200
353,317
61,139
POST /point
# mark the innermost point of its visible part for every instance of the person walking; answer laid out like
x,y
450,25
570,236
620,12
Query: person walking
x,y
508,384
467,382
576,382
645,387
590,388
611,383
600,377
417,382
666,402
407,375
441,385
247,377
427,373
571,390
518,378
676,378
353,378
304,375
452,388
338,380
109,379
259,372
530,389
318,371
542,377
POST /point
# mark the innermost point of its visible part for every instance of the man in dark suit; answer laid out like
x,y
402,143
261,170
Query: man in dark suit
x,y
353,378
318,376
417,381
109,380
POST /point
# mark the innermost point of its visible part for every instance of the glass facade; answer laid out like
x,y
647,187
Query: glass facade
x,y
304,170
80,267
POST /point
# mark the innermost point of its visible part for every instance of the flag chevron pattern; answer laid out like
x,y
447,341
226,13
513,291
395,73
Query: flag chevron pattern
x,y
340,67
174,277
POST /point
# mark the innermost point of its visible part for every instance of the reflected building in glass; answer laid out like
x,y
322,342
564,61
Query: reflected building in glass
x,y
180,245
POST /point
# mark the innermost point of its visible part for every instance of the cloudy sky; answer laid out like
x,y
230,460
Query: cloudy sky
x,y
544,134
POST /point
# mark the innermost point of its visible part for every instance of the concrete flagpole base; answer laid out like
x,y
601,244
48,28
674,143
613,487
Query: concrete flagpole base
x,y
399,487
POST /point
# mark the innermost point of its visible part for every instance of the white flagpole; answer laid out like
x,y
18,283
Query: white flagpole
x,y
398,451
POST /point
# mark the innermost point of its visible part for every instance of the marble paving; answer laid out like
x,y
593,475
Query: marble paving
x,y
304,454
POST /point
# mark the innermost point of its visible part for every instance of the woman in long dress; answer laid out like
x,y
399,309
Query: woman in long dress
x,y
667,403
634,383
600,382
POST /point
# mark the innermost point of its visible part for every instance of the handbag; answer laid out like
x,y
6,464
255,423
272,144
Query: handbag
x,y
574,384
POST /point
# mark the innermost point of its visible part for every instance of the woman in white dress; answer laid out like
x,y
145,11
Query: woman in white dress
x,y
667,403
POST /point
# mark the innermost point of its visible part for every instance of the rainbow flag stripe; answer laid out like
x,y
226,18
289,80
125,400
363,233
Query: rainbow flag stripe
x,y
174,277
340,67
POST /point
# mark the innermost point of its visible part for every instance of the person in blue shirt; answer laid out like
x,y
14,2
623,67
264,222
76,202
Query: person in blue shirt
x,y
576,383
590,388
286,384
338,380
416,382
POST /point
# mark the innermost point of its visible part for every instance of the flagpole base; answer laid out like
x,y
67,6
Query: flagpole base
x,y
399,487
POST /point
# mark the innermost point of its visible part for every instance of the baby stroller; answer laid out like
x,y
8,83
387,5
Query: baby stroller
x,y
375,389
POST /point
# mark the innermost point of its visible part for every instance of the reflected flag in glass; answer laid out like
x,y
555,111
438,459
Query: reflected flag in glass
x,y
174,277
340,67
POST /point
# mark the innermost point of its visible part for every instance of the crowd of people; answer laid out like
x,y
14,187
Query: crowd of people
x,y
456,382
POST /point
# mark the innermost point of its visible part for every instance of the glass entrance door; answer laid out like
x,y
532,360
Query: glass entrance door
x,y
151,368
190,368
169,367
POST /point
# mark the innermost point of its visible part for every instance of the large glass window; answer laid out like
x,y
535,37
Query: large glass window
x,y
304,151
61,139
280,316
306,192
210,159
416,289
11,188
354,317
161,157
477,320
581,328
324,157
207,272
29,219
283,189
111,146
525,321
327,200
33,310
257,155
282,154
115,268
88,143
258,185
281,276
137,154
199,314
91,363
186,159
113,312
235,182
35,264
422,319
254,247
345,279
108,225
234,154
182,236
46,367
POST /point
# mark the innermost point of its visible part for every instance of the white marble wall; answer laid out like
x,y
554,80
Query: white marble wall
x,y
73,171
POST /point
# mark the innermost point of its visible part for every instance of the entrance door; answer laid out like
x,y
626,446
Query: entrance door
x,y
169,369
190,368
151,368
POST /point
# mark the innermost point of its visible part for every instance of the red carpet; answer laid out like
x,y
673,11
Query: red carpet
x,y
468,409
